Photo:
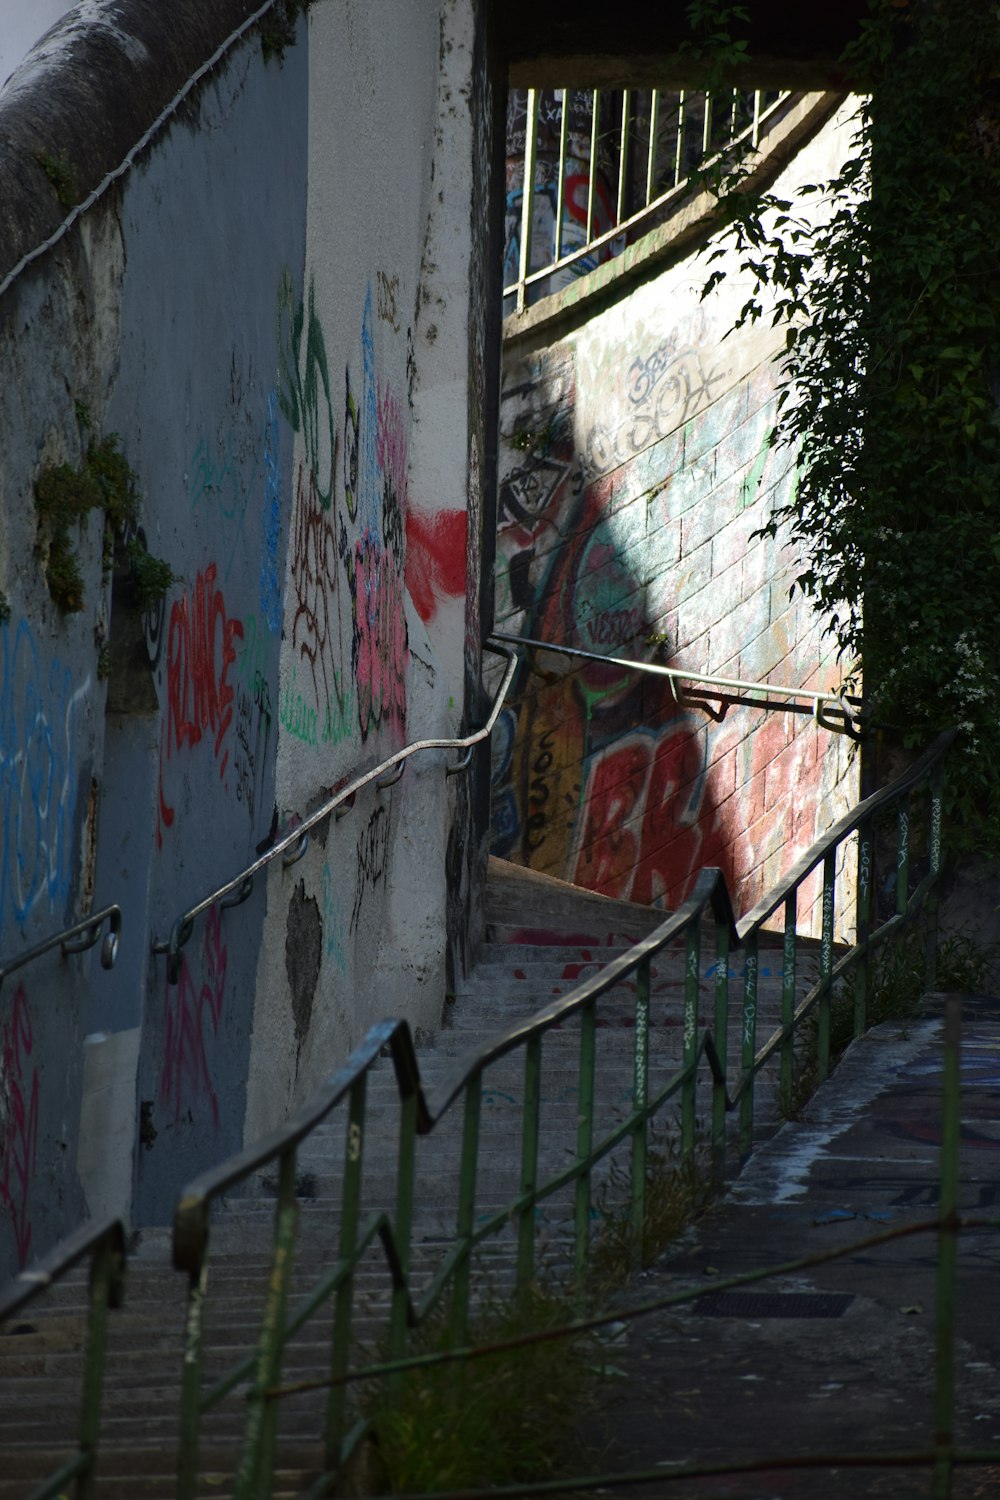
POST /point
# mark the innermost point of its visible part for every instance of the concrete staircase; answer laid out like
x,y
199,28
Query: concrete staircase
x,y
543,938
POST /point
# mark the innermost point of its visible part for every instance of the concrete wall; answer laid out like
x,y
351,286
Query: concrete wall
x,y
635,469
265,307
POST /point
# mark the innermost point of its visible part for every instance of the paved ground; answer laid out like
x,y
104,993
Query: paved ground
x,y
864,1159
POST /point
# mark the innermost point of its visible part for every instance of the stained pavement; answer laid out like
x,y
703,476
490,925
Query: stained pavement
x,y
856,1373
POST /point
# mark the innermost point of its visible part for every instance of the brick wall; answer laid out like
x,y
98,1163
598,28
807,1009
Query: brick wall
x,y
636,468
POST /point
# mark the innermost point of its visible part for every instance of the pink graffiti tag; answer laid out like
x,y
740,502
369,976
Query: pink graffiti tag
x,y
380,638
18,1121
195,1000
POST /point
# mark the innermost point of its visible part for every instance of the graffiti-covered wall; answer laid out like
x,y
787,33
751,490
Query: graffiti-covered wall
x,y
234,567
635,471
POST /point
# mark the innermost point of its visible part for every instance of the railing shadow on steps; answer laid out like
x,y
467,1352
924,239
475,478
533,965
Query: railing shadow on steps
x,y
450,1286
709,904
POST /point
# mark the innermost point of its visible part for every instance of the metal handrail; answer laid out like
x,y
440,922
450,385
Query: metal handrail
x,y
837,719
76,939
652,207
293,845
103,1243
418,1115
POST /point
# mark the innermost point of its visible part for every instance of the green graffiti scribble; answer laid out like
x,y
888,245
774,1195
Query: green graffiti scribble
x,y
304,384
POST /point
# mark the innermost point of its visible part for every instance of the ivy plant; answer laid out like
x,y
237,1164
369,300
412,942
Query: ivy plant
x,y
886,280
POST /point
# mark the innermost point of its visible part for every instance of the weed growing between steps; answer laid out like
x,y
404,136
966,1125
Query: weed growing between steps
x,y
677,1193
517,1416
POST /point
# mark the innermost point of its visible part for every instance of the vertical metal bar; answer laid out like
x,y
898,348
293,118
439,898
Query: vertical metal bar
x,y
640,1105
253,1481
944,1324
527,197
903,855
561,182
756,118
862,969
721,1048
592,178
733,114
788,966
826,965
931,920
679,152
654,130
584,1133
692,958
190,1424
102,1273
749,1045
623,155
529,1161
403,1229
350,1214
466,1206
706,132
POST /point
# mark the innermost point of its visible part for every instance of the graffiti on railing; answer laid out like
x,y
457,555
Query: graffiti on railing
x,y
18,1120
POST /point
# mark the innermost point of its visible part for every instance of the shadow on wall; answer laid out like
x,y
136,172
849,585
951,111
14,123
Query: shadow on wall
x,y
601,778
638,542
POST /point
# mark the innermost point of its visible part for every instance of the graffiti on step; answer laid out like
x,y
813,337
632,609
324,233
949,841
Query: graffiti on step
x,y
371,853
192,1011
18,1121
39,706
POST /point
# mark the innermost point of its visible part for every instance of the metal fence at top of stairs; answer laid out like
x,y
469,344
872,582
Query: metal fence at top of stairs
x,y
912,803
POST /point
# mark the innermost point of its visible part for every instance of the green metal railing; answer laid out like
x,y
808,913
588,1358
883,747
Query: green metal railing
x,y
708,906
103,1244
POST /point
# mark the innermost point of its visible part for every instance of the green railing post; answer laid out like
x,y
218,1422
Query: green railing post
x,y
931,924
350,1214
529,1162
640,1105
721,1050
103,1273
862,969
691,965
826,965
748,1046
253,1482
403,1228
187,1460
466,1206
786,1083
903,855
584,1135
944,1328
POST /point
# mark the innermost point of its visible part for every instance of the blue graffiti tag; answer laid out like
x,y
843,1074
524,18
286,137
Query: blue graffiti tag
x,y
270,520
38,709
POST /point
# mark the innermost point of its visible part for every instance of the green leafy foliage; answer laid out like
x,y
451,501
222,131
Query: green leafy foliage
x,y
886,279
65,494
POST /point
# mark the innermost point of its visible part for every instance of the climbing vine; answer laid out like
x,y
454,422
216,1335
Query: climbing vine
x,y
886,279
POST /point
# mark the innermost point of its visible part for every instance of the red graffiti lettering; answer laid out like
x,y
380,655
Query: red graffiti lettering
x,y
200,650
18,1121
435,559
195,1000
611,833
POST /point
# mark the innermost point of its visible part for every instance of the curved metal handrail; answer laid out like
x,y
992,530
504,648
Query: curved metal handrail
x,y
76,939
826,708
292,846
